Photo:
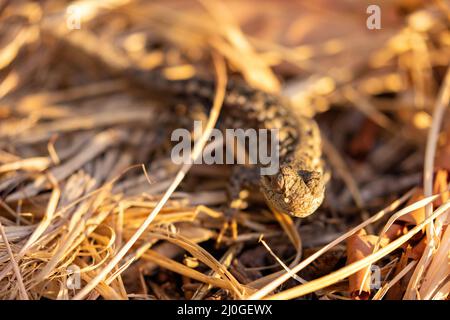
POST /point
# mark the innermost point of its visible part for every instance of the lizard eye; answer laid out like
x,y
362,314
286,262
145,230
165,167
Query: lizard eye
x,y
305,175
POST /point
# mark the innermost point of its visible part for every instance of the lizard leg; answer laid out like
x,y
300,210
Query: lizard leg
x,y
243,180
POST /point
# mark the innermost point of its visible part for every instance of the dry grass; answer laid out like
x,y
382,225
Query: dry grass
x,y
86,179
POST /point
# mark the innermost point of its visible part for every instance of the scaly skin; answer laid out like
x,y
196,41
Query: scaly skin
x,y
298,187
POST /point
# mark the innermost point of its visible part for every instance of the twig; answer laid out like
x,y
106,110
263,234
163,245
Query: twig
x,y
430,151
22,290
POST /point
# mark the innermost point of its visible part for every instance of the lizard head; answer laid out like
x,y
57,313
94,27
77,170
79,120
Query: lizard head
x,y
294,191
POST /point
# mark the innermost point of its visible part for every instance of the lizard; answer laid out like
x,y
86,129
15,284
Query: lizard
x,y
298,188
